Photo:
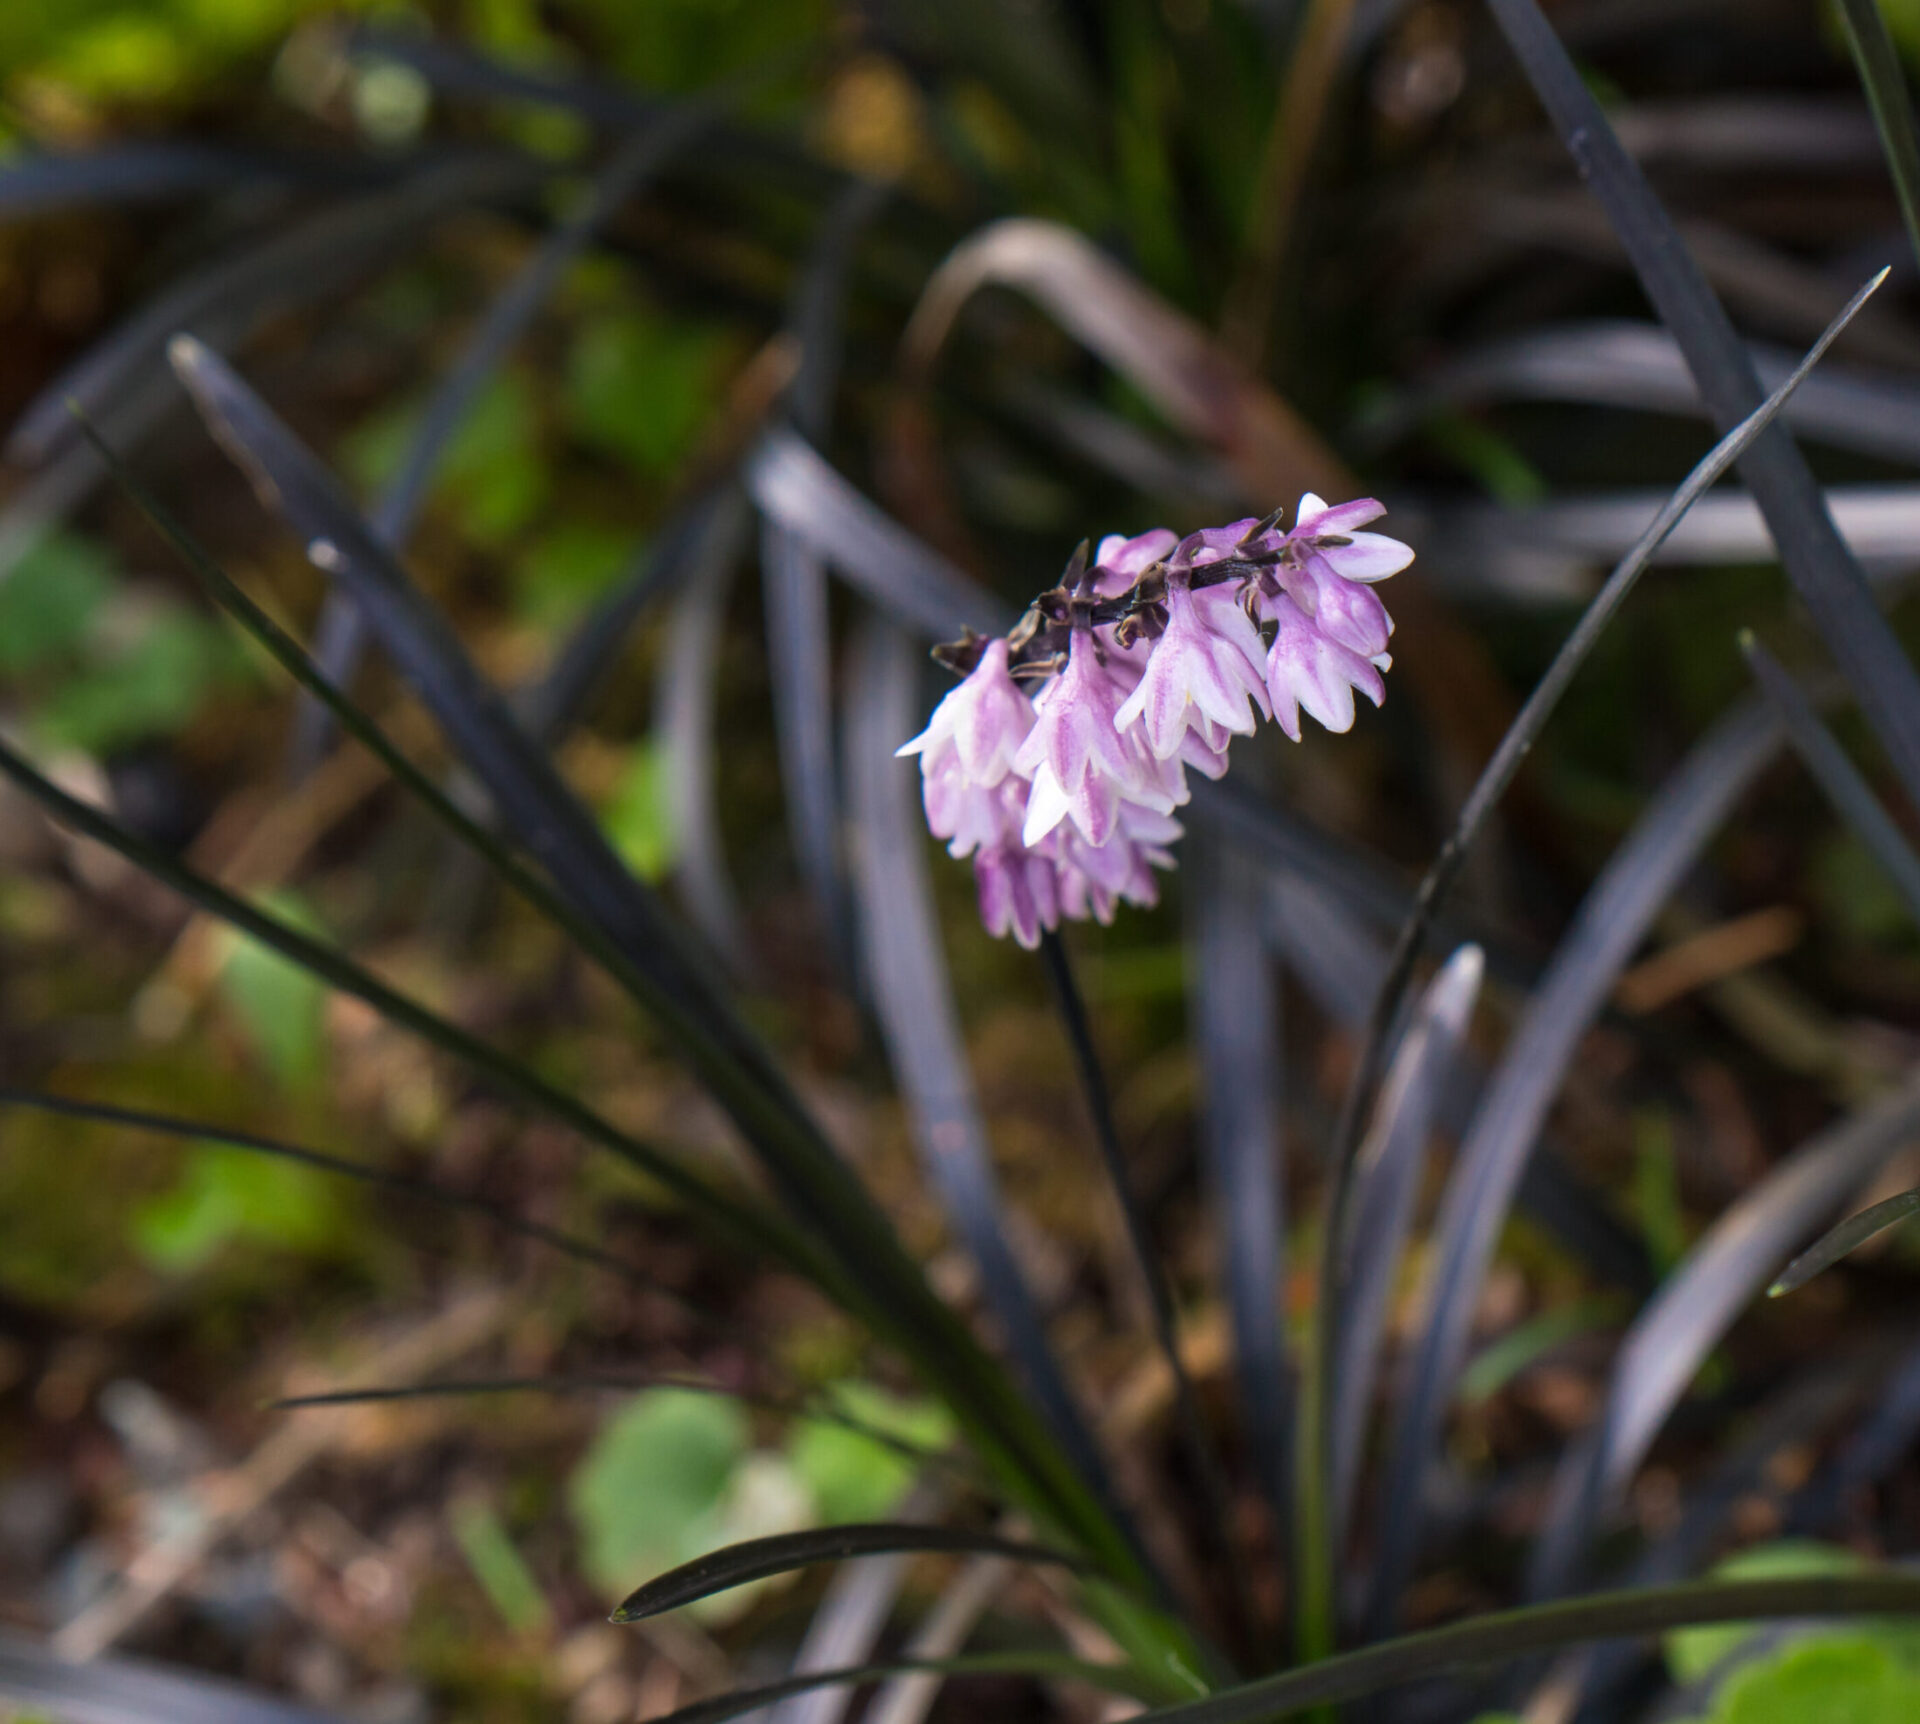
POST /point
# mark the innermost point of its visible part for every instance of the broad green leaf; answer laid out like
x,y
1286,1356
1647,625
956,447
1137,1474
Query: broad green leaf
x,y
224,1196
1853,1680
568,567
48,600
639,815
850,1475
148,684
1693,1652
640,387
650,1486
494,472
281,1006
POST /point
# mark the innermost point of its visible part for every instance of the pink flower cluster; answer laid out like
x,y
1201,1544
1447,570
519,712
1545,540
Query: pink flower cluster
x,y
1059,760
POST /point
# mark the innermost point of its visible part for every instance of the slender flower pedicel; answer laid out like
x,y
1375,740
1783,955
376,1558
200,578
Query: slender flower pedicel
x,y
1058,761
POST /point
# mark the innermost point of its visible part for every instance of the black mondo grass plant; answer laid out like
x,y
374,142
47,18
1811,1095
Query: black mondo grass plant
x,y
1460,1072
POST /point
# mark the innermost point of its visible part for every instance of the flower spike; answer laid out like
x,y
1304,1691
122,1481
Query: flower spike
x,y
1057,762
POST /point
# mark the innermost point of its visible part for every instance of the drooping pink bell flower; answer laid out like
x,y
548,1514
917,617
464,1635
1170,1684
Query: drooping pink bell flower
x,y
1082,765
1094,879
1334,533
1148,662
1019,890
1306,667
966,754
1120,562
1206,672
983,721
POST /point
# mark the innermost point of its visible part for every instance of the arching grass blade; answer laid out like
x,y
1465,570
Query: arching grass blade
x,y
1671,1339
1216,1505
1386,1182
643,152
686,720
913,999
1885,81
132,1691
254,1143
758,1558
285,651
222,301
1234,1009
1492,783
1680,819
850,1241
1504,1636
1638,366
793,579
1518,742
747,1221
820,1407
1845,788
1815,557
149,171
793,484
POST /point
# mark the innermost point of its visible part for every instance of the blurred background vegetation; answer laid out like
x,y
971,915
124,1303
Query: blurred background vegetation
x,y
1361,204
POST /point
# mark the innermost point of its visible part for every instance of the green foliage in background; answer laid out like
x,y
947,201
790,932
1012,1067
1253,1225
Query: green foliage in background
x,y
1843,1672
850,1476
107,663
639,814
225,1197
674,1474
86,54
639,386
281,1008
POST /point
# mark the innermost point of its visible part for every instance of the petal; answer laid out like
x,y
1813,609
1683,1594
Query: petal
x,y
1123,561
1370,557
1347,517
1046,807
1345,611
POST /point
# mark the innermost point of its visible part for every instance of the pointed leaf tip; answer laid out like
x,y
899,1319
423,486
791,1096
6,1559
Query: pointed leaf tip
x,y
1848,1236
758,1558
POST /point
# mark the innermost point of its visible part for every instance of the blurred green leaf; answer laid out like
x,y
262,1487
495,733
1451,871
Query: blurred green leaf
x,y
1507,476
853,1477
1693,1652
225,1195
689,44
492,474
647,1491
497,1565
281,1006
1850,1680
670,1478
1656,1189
49,599
640,387
1855,894
148,682
639,814
567,568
